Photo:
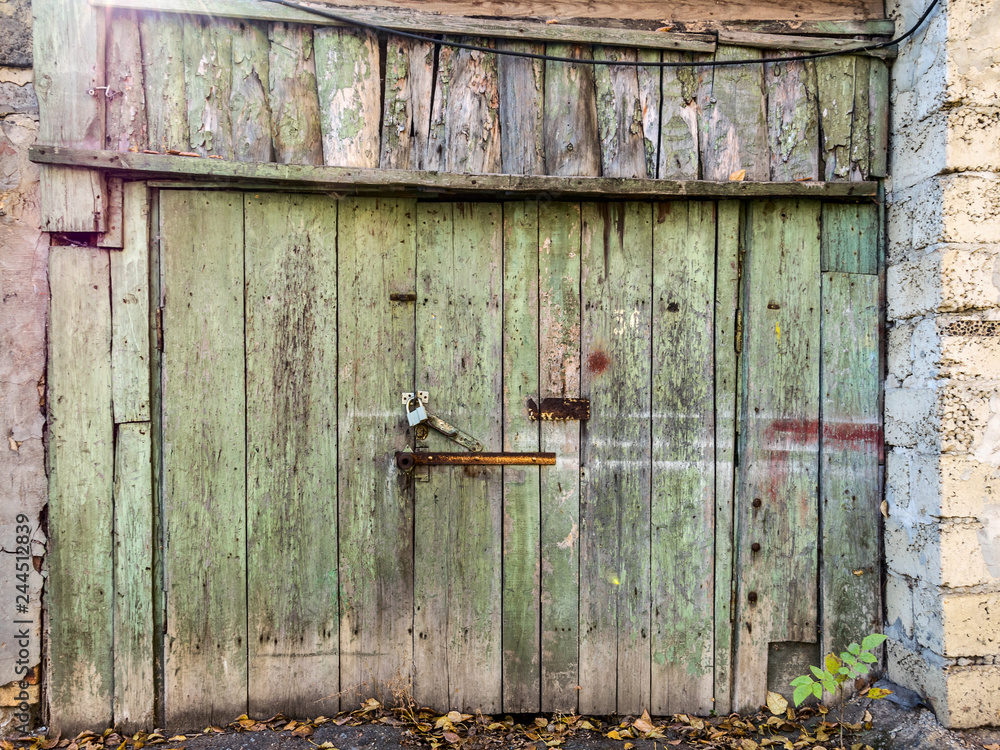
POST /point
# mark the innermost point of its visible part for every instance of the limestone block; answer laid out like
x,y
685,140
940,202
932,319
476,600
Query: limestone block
x,y
954,208
945,278
966,139
973,49
973,697
919,670
971,625
970,346
913,549
899,608
969,554
15,30
969,419
969,488
911,418
913,353
919,74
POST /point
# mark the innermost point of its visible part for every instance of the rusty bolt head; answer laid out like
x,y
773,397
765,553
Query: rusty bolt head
x,y
752,596
755,547
756,502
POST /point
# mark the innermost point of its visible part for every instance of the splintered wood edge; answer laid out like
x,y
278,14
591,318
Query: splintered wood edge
x,y
209,172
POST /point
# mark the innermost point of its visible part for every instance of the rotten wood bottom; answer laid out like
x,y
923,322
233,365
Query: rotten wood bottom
x,y
203,172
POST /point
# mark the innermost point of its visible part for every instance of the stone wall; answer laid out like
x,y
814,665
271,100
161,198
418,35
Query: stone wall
x,y
23,310
942,403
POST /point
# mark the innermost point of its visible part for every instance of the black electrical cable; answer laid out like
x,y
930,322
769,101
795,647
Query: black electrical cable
x,y
348,21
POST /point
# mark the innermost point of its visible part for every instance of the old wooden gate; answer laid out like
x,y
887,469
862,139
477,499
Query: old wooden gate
x,y
724,485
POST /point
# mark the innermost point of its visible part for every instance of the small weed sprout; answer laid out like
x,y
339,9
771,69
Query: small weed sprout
x,y
850,665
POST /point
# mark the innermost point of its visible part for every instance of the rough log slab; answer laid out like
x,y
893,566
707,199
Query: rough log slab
x,y
416,21
878,27
797,43
399,181
641,9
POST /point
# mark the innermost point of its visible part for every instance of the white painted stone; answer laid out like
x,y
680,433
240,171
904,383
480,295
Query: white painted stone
x,y
971,624
910,418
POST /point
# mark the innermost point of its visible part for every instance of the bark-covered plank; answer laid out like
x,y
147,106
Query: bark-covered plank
x,y
850,238
406,112
249,100
678,157
81,469
835,86
347,76
126,111
619,115
376,259
133,626
650,87
559,368
878,118
458,520
130,310
776,596
204,458
295,123
683,478
572,139
849,460
291,422
727,282
522,91
465,116
208,79
69,61
162,40
792,120
860,131
521,509
615,456
734,123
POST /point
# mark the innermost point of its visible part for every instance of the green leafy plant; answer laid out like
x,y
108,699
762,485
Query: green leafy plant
x,y
850,665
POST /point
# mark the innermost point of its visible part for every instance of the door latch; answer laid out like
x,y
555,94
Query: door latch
x,y
417,414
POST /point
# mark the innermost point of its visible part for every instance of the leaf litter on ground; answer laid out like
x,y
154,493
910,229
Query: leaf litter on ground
x,y
776,726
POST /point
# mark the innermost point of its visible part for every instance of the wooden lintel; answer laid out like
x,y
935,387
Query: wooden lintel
x,y
843,27
430,23
349,180
787,42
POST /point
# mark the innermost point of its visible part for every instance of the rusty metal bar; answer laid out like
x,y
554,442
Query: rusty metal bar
x,y
559,409
406,460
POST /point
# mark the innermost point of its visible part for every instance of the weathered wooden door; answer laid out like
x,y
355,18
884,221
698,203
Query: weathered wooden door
x,y
302,571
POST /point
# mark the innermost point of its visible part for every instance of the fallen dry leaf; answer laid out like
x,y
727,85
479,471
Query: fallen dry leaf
x,y
884,507
738,176
644,723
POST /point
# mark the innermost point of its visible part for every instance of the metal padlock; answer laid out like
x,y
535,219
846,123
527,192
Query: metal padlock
x,y
416,415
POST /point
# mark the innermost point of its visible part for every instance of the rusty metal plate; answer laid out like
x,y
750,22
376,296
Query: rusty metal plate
x,y
559,409
406,461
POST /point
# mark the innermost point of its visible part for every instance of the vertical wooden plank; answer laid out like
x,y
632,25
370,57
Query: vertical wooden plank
x,y
776,597
465,116
249,101
112,235
683,479
619,115
835,86
878,118
792,119
727,282
406,113
295,121
69,62
208,80
650,84
849,471
850,238
133,560
81,434
572,140
559,344
678,159
162,41
615,458
291,509
204,457
126,112
347,76
130,310
376,258
458,526
860,131
522,91
734,120
521,510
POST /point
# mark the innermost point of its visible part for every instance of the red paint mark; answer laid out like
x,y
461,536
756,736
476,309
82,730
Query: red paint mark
x,y
791,434
598,362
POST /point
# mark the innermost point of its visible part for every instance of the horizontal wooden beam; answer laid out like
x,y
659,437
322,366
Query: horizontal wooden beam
x,y
654,10
841,27
399,181
787,42
429,23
